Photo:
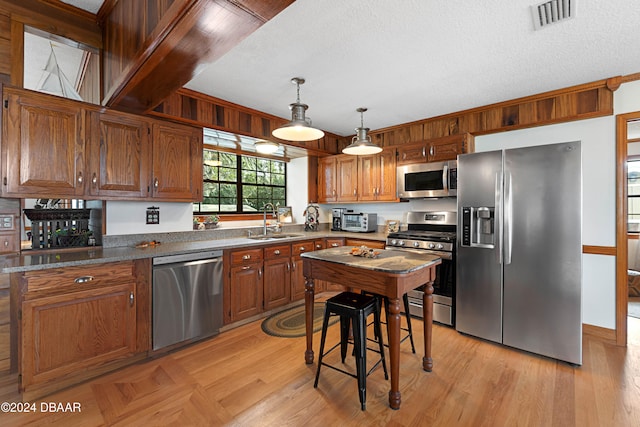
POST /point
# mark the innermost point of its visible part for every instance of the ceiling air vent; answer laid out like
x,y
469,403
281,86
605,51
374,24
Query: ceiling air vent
x,y
552,12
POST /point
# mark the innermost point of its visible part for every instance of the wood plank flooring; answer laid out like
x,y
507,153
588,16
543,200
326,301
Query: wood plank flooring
x,y
246,378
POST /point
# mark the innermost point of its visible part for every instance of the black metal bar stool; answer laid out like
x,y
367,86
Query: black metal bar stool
x,y
408,329
355,309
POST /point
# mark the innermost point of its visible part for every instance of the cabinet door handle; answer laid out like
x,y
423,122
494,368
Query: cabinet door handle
x,y
334,193
246,257
246,267
404,156
80,178
288,267
83,279
424,152
131,299
431,150
302,249
293,266
276,252
318,246
94,179
334,245
259,273
355,192
156,183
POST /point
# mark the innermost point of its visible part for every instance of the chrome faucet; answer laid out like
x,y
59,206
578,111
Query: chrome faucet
x,y
264,216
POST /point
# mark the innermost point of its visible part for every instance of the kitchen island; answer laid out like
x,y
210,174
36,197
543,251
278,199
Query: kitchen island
x,y
391,273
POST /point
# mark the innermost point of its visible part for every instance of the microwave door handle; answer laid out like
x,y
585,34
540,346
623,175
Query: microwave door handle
x,y
445,177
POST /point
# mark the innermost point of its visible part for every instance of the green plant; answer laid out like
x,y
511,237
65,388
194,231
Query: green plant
x,y
212,219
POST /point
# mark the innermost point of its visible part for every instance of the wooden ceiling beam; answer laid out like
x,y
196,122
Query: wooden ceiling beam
x,y
203,32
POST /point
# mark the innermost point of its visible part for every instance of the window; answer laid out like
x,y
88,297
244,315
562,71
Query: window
x,y
633,189
236,183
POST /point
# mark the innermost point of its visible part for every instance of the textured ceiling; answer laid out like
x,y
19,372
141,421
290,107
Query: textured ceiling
x,y
412,59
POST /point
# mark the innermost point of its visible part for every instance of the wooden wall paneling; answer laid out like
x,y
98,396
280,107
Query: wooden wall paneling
x,y
587,101
90,87
17,53
546,110
72,23
510,115
605,100
142,274
491,119
527,113
565,106
205,112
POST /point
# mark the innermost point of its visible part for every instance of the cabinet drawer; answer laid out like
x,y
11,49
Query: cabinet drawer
x,y
334,243
319,244
373,244
301,247
280,251
246,256
78,278
9,243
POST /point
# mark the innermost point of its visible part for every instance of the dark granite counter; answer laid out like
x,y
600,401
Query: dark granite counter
x,y
41,260
388,260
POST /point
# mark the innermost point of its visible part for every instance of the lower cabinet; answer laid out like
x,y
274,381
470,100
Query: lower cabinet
x,y
78,322
297,275
277,276
244,290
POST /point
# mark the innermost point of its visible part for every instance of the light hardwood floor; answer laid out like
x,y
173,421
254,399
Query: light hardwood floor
x,y
246,378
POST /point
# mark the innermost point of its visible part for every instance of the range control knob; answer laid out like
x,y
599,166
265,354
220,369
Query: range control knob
x,y
440,246
393,242
416,244
431,246
401,243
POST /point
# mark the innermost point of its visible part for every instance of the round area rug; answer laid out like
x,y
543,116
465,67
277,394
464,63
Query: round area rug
x,y
290,323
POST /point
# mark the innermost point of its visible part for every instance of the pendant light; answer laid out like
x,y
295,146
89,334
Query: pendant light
x,y
299,128
361,144
266,147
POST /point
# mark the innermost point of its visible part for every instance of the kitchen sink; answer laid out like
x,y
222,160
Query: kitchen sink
x,y
273,236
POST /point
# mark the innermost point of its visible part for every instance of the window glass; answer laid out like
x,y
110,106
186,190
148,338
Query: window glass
x,y
633,190
240,183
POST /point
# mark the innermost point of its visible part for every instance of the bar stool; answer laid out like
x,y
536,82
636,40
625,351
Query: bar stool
x,y
408,329
355,309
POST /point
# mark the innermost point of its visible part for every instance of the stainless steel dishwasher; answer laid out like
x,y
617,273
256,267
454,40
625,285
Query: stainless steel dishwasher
x,y
187,297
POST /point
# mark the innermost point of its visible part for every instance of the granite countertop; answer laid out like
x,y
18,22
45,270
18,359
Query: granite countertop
x,y
388,260
41,260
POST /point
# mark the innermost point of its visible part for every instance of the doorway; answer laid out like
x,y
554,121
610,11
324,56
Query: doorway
x,y
624,139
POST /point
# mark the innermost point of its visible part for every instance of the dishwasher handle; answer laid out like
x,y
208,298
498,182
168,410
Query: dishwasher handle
x,y
187,258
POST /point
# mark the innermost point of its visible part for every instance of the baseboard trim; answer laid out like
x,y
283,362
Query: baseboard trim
x,y
601,333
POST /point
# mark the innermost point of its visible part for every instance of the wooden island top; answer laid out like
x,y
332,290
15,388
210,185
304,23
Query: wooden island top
x,y
392,273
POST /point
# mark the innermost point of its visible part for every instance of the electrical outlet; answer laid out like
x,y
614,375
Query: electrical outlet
x,y
153,215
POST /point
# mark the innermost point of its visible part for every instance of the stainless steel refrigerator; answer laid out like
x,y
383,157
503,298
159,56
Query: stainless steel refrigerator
x,y
519,251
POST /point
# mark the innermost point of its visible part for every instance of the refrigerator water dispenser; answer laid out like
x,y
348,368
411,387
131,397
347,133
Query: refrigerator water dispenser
x,y
478,227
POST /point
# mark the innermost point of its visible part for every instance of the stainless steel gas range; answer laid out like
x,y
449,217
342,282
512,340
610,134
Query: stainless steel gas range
x,y
432,233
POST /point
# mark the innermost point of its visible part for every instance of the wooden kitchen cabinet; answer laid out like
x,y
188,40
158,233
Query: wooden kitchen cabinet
x,y
327,179
277,276
177,162
120,156
435,150
297,275
60,148
78,322
330,242
244,287
373,244
43,151
345,178
377,176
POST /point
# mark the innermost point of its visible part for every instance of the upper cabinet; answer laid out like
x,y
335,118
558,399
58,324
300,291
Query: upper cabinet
x,y
43,146
55,147
177,162
119,159
435,150
345,178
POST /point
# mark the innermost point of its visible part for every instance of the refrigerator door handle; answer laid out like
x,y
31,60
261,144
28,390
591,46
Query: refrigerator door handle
x,y
498,219
508,219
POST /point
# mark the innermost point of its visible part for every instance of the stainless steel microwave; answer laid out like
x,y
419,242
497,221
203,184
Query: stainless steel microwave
x,y
359,222
435,179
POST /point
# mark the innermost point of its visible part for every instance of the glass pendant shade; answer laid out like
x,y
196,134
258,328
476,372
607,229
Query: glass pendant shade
x,y
361,144
299,128
266,147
